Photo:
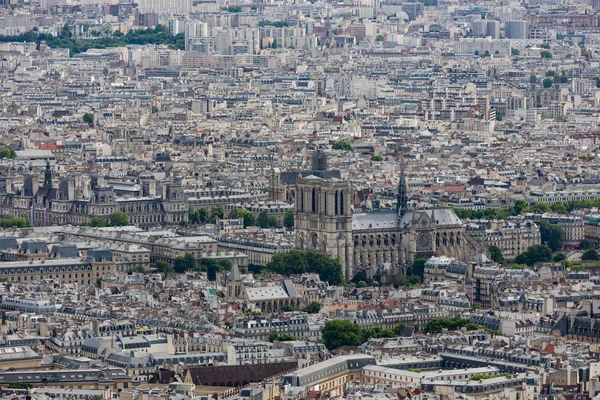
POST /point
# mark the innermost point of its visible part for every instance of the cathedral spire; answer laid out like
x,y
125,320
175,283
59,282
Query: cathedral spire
x,y
402,197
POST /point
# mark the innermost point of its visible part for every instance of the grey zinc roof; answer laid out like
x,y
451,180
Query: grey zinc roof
x,y
8,243
65,251
377,220
441,217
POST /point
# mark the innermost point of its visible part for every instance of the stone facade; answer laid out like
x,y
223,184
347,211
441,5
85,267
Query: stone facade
x,y
376,242
72,203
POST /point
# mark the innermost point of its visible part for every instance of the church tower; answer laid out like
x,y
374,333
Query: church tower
x,y
235,286
323,220
402,196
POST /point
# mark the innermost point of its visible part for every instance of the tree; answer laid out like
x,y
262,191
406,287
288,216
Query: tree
x,y
312,308
590,255
436,325
249,219
202,215
15,222
586,244
552,235
361,284
559,208
545,54
379,38
342,145
163,267
521,206
288,218
376,157
341,332
137,269
95,222
119,218
547,82
263,219
287,308
7,152
185,263
496,254
273,222
418,268
515,52
541,207
20,385
298,262
88,118
216,212
559,257
233,214
534,254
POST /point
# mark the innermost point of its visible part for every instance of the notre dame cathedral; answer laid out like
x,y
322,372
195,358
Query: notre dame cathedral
x,y
376,242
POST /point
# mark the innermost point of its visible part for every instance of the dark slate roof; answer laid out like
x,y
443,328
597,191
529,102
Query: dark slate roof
x,y
289,178
34,247
64,251
407,331
234,375
98,254
8,243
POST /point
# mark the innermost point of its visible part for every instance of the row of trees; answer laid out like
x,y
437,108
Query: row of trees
x,y
519,207
298,262
189,263
118,218
16,222
264,220
158,35
436,325
342,332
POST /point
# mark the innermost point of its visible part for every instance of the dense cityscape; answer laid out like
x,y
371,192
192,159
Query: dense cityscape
x,y
285,200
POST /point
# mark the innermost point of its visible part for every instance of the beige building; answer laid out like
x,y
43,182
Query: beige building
x,y
512,237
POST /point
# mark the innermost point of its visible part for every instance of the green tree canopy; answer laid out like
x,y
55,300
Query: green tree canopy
x,y
313,307
88,118
185,263
342,145
341,332
534,254
559,257
496,254
7,152
541,207
288,219
216,212
552,235
263,219
436,325
586,244
559,208
119,218
590,255
163,267
15,222
418,268
298,262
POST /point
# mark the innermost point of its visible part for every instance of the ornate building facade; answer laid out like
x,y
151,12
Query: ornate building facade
x,y
375,241
74,201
